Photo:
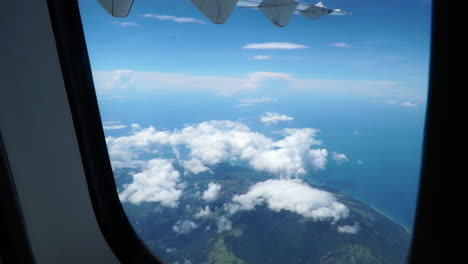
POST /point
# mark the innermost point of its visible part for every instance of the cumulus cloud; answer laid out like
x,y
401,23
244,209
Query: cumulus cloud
x,y
203,212
318,158
212,192
339,45
260,57
215,141
158,182
126,24
408,104
253,101
339,157
223,224
274,118
174,18
184,227
347,229
194,166
274,46
290,195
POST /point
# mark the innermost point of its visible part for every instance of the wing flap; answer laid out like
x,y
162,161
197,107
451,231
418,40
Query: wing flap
x,y
279,12
218,11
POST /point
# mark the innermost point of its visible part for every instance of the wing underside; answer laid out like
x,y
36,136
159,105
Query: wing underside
x,y
218,11
279,12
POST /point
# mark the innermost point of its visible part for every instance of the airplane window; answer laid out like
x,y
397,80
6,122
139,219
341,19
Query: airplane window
x,y
264,131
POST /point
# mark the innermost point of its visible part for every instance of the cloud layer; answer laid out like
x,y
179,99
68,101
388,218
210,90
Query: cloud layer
x,y
274,46
253,101
107,82
174,18
260,57
339,45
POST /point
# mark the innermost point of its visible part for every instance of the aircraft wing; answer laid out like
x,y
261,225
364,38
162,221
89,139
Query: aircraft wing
x,y
279,12
117,8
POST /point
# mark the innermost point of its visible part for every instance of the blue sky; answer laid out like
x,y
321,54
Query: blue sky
x,y
380,41
361,80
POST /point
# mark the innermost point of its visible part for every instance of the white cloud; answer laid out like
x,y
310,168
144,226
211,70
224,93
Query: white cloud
x,y
274,46
212,192
174,18
187,261
339,45
356,133
360,162
158,182
214,141
290,195
223,224
347,229
391,102
114,127
318,157
110,123
184,227
339,157
203,212
126,24
194,166
274,118
170,250
260,57
253,101
408,104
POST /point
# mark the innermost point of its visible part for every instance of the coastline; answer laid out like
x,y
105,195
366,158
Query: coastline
x,y
372,205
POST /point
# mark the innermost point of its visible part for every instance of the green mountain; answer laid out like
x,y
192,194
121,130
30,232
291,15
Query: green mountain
x,y
261,236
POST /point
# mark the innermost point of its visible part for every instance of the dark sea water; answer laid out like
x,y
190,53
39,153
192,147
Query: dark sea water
x,y
385,138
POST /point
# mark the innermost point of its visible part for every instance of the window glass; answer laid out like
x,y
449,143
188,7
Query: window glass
x,y
265,139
